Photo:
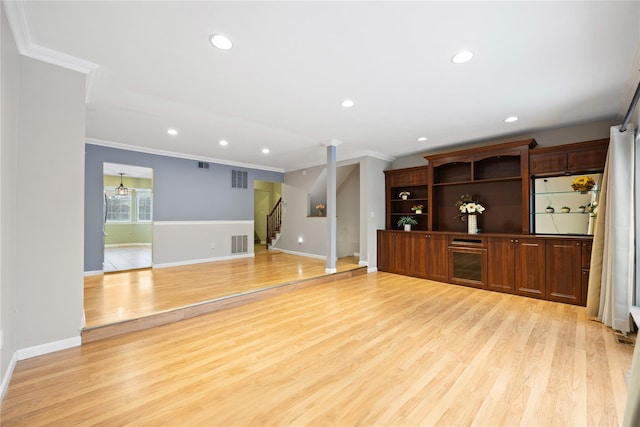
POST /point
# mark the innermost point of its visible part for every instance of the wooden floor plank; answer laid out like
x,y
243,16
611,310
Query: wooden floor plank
x,y
376,349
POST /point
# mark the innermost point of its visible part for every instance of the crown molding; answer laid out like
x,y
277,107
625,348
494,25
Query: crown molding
x,y
19,24
146,150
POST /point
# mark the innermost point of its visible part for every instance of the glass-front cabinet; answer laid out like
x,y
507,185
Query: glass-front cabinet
x,y
565,204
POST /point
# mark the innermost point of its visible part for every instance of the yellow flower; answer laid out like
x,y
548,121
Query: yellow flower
x,y
583,183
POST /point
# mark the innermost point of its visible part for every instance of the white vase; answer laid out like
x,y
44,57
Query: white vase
x,y
472,224
591,226
404,197
407,227
418,211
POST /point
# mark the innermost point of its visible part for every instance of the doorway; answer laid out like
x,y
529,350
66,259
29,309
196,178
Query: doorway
x,y
127,217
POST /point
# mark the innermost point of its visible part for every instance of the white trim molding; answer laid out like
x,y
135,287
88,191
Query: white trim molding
x,y
146,150
39,350
201,261
304,254
19,23
6,378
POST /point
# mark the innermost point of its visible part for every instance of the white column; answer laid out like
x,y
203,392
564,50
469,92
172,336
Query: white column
x,y
331,205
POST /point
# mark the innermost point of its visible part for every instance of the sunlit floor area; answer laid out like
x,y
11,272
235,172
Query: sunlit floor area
x,y
121,296
373,350
120,258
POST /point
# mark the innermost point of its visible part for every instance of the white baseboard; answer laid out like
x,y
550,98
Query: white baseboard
x,y
363,263
286,251
6,378
39,350
124,245
372,269
93,273
200,261
330,270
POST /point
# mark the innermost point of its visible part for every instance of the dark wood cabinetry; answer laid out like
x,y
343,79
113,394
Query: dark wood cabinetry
x,y
496,176
437,257
505,256
563,264
569,159
413,181
516,265
414,254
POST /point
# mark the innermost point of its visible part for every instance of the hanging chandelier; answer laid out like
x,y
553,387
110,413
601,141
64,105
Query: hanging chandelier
x,y
121,190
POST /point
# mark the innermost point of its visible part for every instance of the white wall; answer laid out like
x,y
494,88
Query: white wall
x,y
348,215
372,208
190,242
560,136
50,203
8,213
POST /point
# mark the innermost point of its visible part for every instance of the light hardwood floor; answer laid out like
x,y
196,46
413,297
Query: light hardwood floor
x,y
121,296
377,349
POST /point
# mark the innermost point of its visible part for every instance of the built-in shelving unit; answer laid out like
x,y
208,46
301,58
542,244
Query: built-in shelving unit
x,y
415,182
510,254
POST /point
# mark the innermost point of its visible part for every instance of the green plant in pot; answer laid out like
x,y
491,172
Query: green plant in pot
x,y
407,222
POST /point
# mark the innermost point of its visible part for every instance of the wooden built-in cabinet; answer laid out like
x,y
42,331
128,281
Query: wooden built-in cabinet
x,y
413,254
413,181
569,159
517,265
496,176
505,256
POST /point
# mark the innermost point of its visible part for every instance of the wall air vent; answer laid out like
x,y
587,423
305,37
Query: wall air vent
x,y
238,179
203,165
239,244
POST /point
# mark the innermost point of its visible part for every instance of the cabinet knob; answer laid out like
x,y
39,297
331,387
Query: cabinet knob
x,y
578,244
516,240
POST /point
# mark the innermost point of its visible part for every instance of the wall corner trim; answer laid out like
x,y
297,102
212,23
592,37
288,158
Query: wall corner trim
x,y
6,378
39,350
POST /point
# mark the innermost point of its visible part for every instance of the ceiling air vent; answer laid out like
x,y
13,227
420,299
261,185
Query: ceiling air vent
x,y
203,165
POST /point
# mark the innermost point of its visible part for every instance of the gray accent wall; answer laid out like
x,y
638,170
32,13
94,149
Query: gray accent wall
x,y
181,192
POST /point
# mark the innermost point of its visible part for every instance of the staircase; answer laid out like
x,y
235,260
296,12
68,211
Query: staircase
x,y
274,222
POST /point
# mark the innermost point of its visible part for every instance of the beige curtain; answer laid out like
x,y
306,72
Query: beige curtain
x,y
612,258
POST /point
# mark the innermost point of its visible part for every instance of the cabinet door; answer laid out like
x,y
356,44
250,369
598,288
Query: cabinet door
x,y
437,257
501,268
547,163
530,267
564,270
592,159
386,246
410,254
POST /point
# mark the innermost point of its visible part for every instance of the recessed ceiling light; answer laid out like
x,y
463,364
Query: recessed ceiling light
x,y
422,139
511,119
172,132
224,142
265,151
347,103
220,41
462,57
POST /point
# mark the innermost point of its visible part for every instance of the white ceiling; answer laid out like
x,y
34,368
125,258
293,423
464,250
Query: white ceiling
x,y
550,63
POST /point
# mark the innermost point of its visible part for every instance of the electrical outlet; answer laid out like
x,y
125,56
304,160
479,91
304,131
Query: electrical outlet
x,y
213,245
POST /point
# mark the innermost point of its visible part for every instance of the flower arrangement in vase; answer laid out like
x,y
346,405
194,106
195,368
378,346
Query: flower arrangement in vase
x,y
565,209
320,208
404,195
417,209
469,209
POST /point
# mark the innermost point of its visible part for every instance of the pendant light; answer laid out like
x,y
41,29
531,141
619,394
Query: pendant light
x,y
122,190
